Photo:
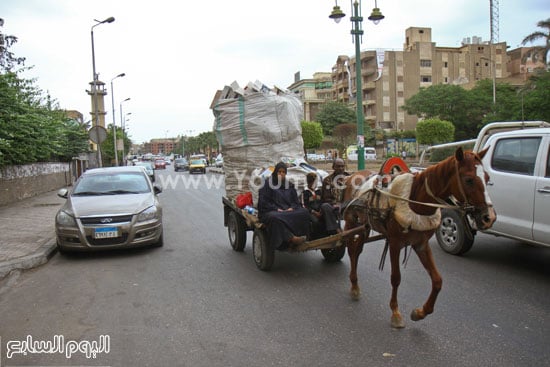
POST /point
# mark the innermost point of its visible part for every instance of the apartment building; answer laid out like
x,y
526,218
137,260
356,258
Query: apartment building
x,y
391,77
313,92
161,146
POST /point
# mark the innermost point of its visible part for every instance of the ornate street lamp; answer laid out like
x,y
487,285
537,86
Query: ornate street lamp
x,y
356,18
94,86
114,123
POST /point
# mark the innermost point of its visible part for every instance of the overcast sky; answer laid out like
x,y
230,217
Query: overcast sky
x,y
176,54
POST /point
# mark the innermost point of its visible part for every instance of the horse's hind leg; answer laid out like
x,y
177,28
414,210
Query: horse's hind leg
x,y
396,318
426,258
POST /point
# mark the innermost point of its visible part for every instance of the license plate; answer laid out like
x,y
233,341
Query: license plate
x,y
106,232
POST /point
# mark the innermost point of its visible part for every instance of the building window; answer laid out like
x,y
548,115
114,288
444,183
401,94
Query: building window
x,y
425,63
426,78
446,80
445,64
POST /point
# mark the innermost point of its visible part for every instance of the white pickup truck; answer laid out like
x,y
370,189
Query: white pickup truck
x,y
518,164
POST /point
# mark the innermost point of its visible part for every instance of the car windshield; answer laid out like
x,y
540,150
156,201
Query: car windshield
x,y
112,184
197,161
180,160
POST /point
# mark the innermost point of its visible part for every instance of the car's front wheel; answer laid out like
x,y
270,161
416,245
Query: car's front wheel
x,y
160,242
453,235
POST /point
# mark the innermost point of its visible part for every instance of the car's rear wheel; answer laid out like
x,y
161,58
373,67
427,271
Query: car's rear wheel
x,y
453,235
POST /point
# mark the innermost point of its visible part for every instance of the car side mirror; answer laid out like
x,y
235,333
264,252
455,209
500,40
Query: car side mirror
x,y
63,193
157,189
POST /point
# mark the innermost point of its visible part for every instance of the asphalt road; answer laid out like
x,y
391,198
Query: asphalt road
x,y
196,302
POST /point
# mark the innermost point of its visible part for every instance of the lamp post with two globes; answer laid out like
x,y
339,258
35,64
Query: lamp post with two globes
x,y
356,18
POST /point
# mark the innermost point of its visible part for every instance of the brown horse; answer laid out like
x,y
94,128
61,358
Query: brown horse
x,y
410,213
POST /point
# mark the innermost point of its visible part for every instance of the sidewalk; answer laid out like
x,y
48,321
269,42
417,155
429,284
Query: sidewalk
x,y
27,232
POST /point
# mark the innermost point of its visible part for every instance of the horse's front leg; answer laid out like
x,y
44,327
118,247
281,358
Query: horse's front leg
x,y
355,247
426,258
396,318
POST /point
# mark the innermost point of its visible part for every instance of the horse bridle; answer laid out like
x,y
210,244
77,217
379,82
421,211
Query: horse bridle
x,y
465,206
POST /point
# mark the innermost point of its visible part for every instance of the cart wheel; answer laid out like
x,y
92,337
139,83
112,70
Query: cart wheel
x,y
264,254
333,255
236,229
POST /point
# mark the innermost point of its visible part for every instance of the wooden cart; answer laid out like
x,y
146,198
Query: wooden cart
x,y
239,222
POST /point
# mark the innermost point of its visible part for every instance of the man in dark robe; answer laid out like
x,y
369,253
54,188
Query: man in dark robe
x,y
280,210
331,195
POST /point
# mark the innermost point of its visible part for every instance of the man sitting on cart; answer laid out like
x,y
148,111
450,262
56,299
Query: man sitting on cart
x,y
331,194
279,209
324,216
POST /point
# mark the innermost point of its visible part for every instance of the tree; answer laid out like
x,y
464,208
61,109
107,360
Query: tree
x,y
73,139
344,135
534,98
541,51
108,146
450,103
7,59
32,127
434,131
312,133
334,113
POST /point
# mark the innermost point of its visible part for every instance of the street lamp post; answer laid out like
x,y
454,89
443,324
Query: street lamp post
x,y
122,127
493,76
356,18
114,123
95,79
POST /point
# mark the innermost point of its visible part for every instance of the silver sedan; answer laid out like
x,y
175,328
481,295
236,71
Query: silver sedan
x,y
110,208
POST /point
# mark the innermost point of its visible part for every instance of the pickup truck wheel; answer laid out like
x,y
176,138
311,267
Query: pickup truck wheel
x,y
264,254
236,230
452,234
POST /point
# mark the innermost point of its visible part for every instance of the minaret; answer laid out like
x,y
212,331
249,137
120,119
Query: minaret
x,y
100,108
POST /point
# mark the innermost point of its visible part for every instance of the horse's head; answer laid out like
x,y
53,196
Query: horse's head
x,y
470,188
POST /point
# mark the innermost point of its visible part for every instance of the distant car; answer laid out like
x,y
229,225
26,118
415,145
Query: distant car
x,y
167,161
311,157
109,208
219,161
368,152
160,164
181,164
149,168
197,165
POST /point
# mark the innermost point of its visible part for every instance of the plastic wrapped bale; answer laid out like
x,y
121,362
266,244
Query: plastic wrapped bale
x,y
256,131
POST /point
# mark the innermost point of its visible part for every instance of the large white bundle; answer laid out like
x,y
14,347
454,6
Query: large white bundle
x,y
257,119
256,130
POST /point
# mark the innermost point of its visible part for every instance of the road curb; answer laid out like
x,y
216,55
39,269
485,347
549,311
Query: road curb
x,y
40,257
